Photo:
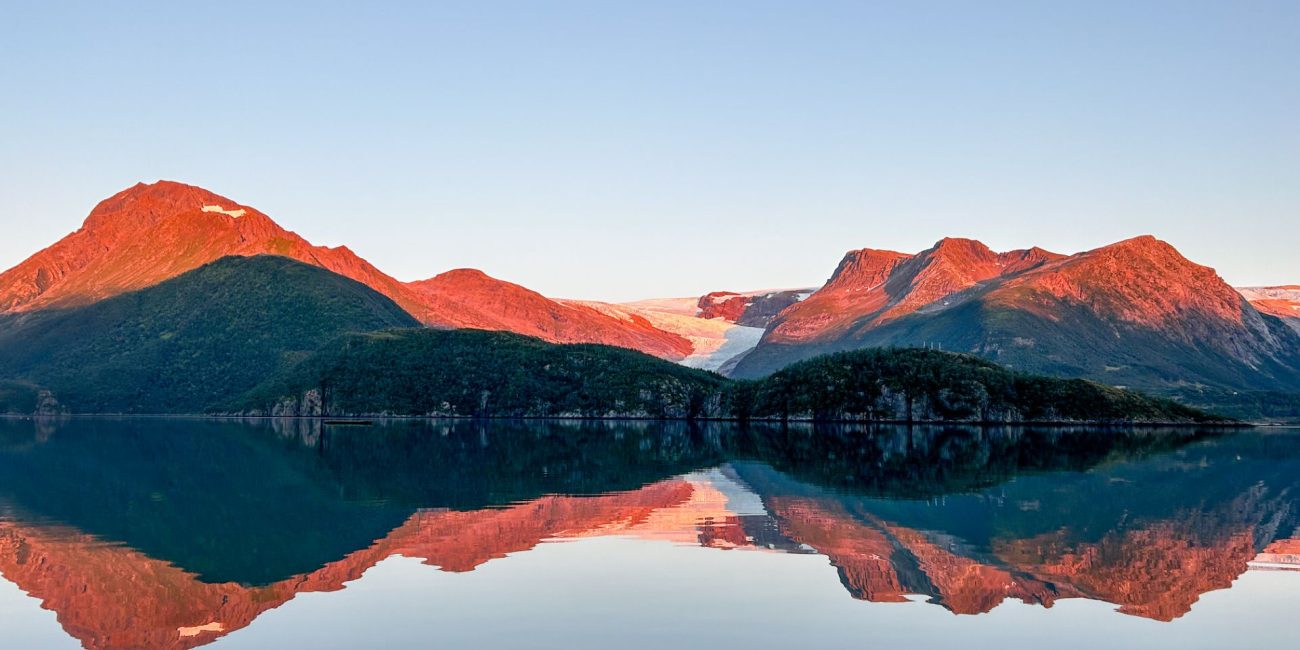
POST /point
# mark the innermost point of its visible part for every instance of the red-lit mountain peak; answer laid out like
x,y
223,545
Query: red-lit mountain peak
x,y
870,287
1142,280
150,233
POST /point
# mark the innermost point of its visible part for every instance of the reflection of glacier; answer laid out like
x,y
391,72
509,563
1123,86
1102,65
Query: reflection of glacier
x,y
110,596
1281,555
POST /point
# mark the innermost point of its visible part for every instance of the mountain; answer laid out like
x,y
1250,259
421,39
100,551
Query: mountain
x,y
871,287
147,234
1134,313
181,344
268,335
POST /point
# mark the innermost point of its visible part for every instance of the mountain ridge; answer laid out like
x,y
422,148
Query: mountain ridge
x,y
1135,312
149,233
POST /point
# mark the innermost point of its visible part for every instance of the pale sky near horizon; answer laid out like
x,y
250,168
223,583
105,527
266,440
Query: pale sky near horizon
x,y
630,150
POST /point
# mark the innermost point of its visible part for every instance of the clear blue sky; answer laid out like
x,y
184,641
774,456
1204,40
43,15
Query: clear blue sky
x,y
619,150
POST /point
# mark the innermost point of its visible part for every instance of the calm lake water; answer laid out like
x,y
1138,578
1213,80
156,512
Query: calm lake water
x,y
152,533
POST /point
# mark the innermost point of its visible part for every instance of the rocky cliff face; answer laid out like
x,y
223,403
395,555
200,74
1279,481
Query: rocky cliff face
x,y
754,309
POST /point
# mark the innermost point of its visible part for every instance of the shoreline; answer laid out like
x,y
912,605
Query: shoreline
x,y
1230,424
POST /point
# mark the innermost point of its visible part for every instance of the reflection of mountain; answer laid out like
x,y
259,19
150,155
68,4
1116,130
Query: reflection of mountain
x,y
152,556
110,596
1150,536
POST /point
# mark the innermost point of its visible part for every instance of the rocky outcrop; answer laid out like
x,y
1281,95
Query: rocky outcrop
x,y
47,404
310,405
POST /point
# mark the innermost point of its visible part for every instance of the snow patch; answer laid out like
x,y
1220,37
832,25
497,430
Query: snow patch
x,y
217,208
1290,293
680,306
215,626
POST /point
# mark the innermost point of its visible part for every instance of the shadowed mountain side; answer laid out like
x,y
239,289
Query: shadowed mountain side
x,y
178,346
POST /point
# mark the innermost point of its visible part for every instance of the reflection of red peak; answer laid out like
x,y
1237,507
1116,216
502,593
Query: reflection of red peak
x,y
868,554
863,555
1155,572
114,598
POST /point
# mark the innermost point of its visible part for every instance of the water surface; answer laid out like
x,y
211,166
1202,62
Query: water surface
x,y
174,533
